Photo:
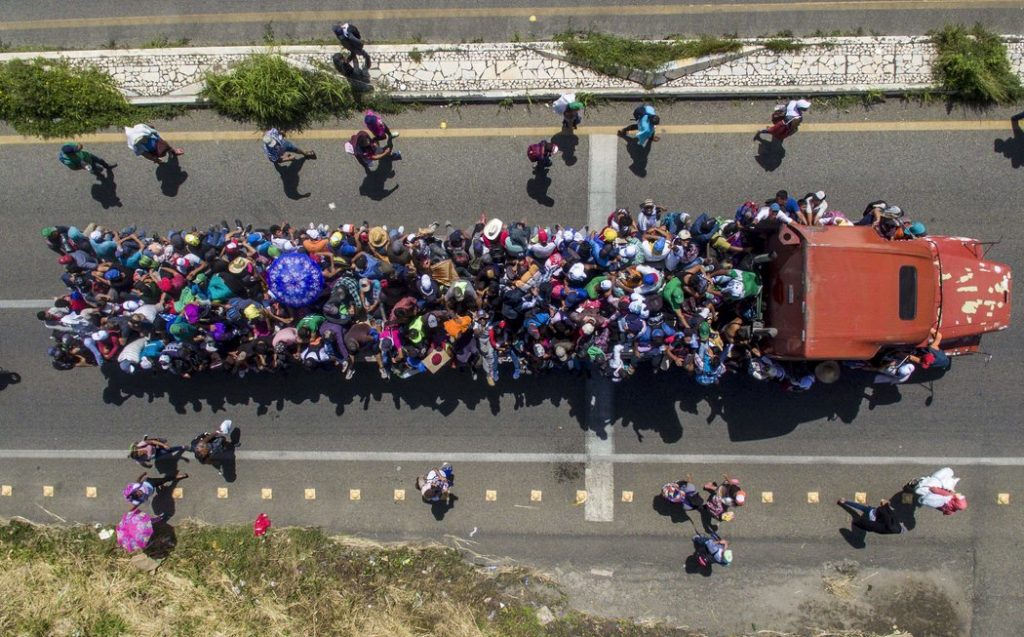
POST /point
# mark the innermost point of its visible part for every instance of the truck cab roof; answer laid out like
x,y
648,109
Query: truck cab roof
x,y
844,293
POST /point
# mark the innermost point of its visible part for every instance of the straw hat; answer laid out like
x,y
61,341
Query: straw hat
x,y
493,229
238,265
378,237
827,371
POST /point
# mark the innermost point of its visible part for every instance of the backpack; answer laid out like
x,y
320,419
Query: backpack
x,y
706,377
535,152
715,506
374,123
69,160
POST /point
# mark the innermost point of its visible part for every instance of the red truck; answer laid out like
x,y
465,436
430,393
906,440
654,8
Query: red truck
x,y
845,293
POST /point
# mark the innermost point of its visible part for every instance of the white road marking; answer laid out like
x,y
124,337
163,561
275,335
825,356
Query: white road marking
x,y
545,458
26,304
604,155
599,474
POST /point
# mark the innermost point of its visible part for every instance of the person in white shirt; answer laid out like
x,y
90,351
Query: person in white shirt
x,y
772,213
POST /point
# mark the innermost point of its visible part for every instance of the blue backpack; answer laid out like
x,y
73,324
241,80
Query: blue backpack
x,y
704,377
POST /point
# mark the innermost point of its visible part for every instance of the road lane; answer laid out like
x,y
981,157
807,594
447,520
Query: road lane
x,y
106,23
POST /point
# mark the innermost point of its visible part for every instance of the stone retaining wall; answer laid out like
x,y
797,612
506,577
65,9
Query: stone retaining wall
x,y
496,70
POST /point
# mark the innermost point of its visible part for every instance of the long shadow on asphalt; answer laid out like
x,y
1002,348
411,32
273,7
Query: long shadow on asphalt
x,y
289,174
444,393
647,403
1012,148
739,402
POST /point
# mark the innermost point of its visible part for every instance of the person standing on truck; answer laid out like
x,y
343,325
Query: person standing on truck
x,y
931,355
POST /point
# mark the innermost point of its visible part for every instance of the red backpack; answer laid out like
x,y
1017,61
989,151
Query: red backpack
x,y
535,152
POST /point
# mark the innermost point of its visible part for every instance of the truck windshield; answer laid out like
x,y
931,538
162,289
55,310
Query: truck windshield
x,y
908,292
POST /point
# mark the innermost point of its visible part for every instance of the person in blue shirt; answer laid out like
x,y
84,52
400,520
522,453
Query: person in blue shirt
x,y
712,549
788,204
646,121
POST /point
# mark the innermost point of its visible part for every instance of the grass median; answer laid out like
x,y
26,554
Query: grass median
x,y
65,581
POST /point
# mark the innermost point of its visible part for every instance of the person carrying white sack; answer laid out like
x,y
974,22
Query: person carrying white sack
x,y
570,109
938,491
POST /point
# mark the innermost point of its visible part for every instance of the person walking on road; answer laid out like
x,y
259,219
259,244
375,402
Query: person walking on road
x,y
72,156
712,549
881,519
646,120
365,150
786,119
145,141
570,109
938,491
436,485
149,449
279,149
138,492
378,128
212,448
350,38
541,154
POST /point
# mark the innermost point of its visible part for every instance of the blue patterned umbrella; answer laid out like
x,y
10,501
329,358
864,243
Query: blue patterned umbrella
x,y
295,279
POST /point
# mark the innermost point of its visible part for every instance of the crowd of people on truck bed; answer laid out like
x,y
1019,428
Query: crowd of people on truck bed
x,y
650,287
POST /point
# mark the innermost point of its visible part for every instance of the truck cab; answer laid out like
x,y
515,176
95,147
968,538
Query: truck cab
x,y
846,293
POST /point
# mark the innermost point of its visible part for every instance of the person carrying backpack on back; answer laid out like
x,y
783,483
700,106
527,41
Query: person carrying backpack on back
x,y
541,153
712,549
72,156
375,124
278,149
352,40
646,120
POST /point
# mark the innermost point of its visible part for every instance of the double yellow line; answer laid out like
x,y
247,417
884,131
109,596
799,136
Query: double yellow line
x,y
950,126
470,12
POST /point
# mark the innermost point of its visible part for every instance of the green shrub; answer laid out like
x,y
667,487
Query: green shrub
x,y
267,90
783,45
972,66
51,98
608,53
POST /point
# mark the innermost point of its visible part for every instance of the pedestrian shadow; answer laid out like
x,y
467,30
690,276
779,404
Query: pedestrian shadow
x,y
906,513
171,176
1012,148
567,142
441,508
8,378
164,505
289,174
163,541
640,154
374,183
104,190
167,464
671,510
855,537
770,153
537,187
692,566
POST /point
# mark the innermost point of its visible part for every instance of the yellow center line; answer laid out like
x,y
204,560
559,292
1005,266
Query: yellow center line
x,y
447,13
543,131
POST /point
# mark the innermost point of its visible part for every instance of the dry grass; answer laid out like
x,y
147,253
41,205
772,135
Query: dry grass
x,y
223,582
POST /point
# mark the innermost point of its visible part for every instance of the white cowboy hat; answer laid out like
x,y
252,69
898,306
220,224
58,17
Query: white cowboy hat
x,y
493,229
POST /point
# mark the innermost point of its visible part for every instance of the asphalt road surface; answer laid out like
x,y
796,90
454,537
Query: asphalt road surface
x,y
618,554
102,23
